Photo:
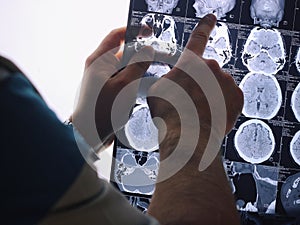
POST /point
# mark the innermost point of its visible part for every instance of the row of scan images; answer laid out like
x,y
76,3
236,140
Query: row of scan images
x,y
264,51
265,13
254,141
257,188
262,94
264,189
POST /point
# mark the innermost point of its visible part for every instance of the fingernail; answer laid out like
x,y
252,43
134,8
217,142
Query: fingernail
x,y
211,17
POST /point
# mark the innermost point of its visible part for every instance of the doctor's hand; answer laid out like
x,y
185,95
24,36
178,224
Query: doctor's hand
x,y
102,82
208,91
198,104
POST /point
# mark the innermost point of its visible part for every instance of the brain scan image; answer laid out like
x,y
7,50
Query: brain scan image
x,y
264,179
264,51
290,195
217,7
136,172
267,13
219,46
154,72
160,33
262,96
295,102
254,141
140,130
298,60
161,6
295,148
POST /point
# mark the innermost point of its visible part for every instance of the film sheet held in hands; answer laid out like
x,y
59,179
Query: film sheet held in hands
x,y
258,43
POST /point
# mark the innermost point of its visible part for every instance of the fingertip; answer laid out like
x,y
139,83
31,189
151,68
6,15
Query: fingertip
x,y
209,19
201,34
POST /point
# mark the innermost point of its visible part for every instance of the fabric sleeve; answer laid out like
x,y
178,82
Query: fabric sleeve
x,y
45,179
86,203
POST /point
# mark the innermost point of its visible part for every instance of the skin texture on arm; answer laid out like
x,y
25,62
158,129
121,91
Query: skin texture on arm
x,y
192,196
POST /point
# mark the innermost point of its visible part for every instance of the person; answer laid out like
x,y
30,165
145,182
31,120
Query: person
x,y
45,178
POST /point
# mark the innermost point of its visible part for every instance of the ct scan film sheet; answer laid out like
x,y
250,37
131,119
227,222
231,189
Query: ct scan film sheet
x,y
258,42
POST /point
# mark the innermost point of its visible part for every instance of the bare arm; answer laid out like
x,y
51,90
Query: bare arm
x,y
193,196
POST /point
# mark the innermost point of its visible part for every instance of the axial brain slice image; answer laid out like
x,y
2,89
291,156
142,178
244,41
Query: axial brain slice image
x,y
140,130
264,51
217,7
295,148
254,141
161,6
161,33
262,96
267,13
295,102
219,46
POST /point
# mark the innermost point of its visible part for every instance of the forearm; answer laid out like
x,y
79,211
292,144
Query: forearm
x,y
191,196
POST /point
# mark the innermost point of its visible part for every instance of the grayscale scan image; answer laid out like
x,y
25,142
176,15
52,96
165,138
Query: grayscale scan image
x,y
254,186
141,131
264,51
290,195
161,33
258,43
267,13
295,148
297,60
295,103
262,96
136,172
254,141
219,46
161,6
217,7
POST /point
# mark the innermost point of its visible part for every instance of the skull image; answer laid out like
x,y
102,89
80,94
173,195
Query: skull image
x,y
140,130
295,148
290,193
254,141
219,46
267,13
298,60
262,95
264,51
295,102
217,7
162,37
161,6
136,172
